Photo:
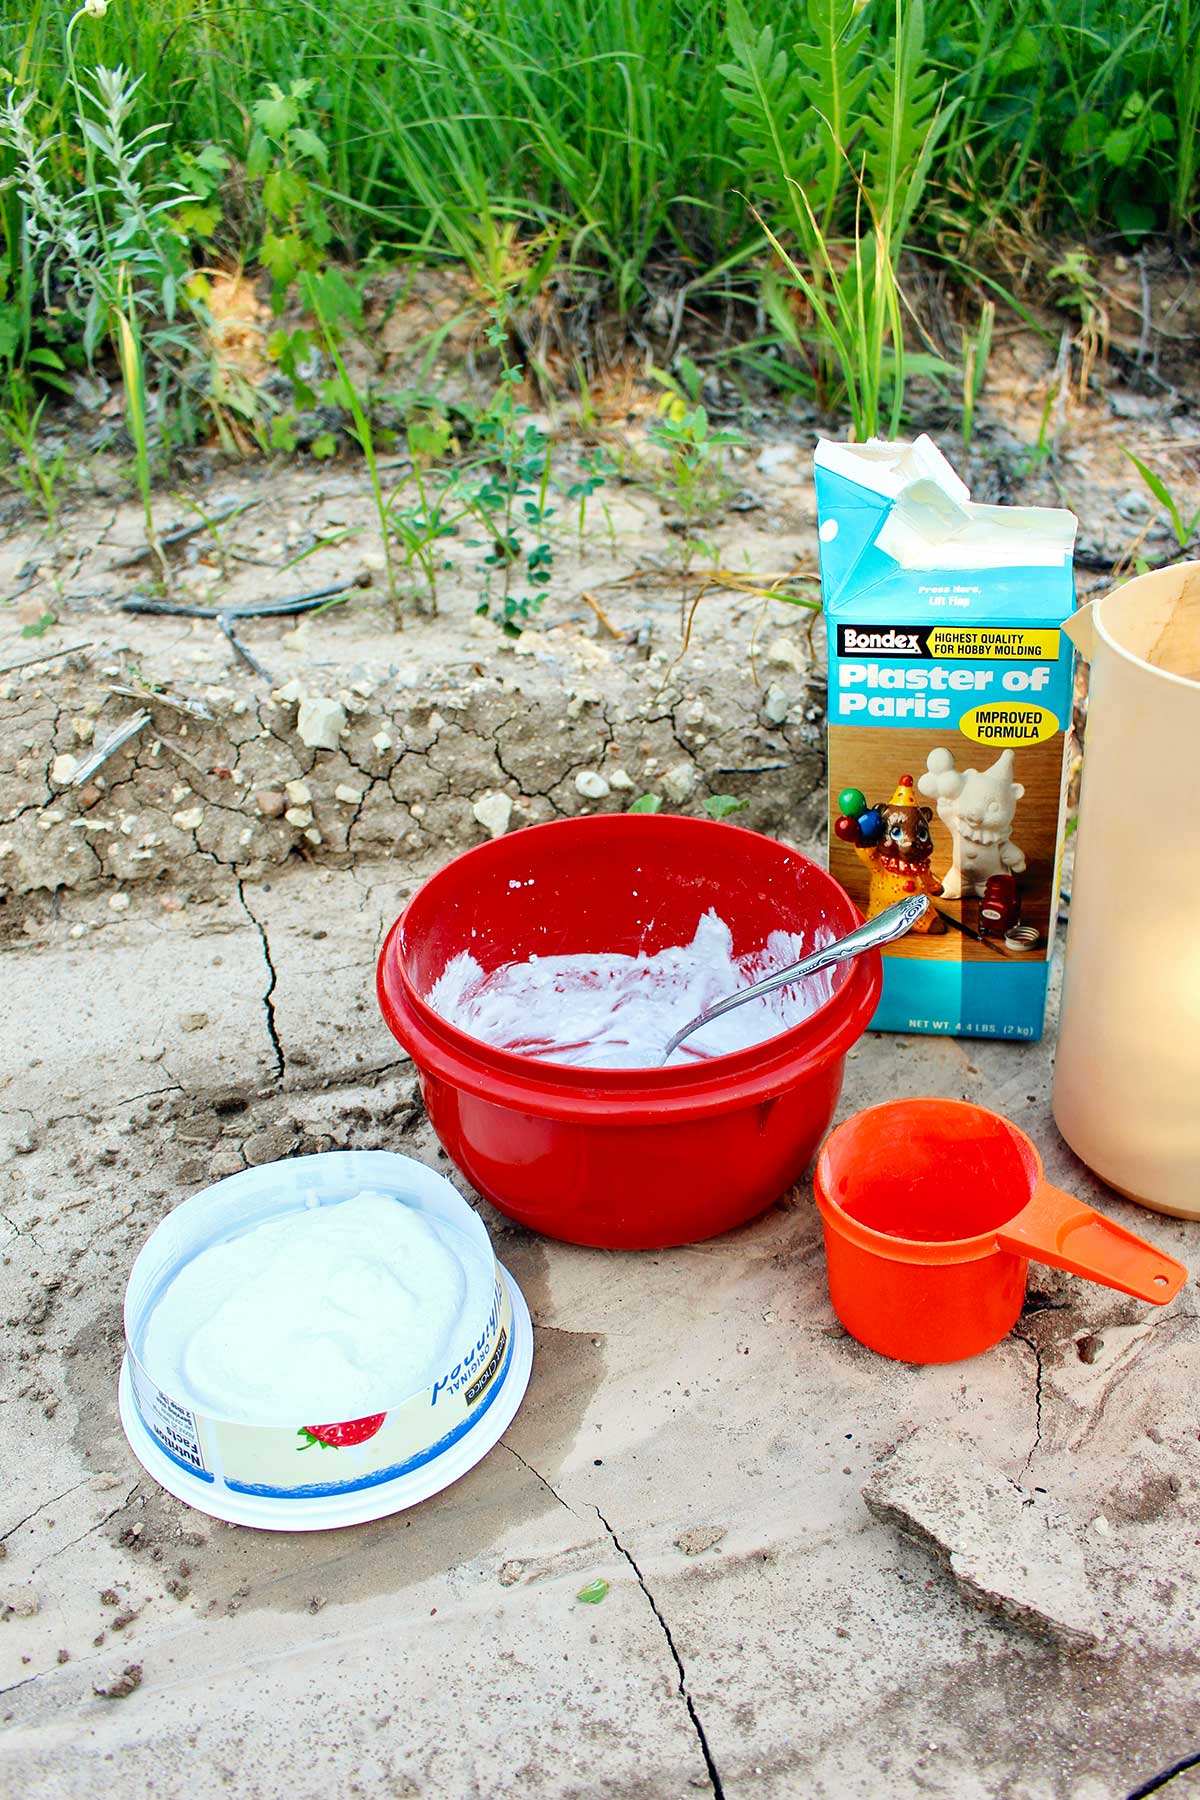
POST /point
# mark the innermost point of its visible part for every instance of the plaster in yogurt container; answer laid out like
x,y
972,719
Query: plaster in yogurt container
x,y
228,1457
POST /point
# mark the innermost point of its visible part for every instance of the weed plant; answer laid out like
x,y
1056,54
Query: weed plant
x,y
637,148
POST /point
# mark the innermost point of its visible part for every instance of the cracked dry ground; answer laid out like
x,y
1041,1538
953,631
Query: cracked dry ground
x,y
829,1575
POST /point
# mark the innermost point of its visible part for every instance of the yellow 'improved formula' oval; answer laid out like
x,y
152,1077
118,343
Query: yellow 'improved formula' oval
x,y
1007,724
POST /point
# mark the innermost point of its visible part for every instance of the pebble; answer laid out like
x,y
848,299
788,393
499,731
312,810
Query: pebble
x,y
348,795
320,722
679,782
271,1145
84,729
63,768
591,785
298,792
494,813
193,1021
87,797
299,816
783,654
20,1600
226,1161
774,459
778,704
621,779
271,803
382,741
119,902
189,819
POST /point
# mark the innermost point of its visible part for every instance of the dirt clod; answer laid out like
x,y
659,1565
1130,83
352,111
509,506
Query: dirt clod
x,y
126,1683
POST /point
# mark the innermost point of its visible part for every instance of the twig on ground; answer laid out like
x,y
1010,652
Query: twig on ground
x,y
195,709
179,534
183,755
43,656
129,729
603,617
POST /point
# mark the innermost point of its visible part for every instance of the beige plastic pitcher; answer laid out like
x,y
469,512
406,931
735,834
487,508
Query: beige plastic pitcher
x,y
1127,1078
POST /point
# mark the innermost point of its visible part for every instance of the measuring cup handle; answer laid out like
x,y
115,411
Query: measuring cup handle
x,y
1057,1229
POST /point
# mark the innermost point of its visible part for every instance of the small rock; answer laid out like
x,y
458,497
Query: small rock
x,y
494,813
382,741
777,704
774,460
621,779
679,782
510,1573
227,1160
119,902
347,795
63,768
1133,505
313,836
271,1145
783,654
320,722
290,694
700,1538
193,1021
299,816
27,1143
271,803
591,785
84,729
87,797
298,793
189,819
19,1602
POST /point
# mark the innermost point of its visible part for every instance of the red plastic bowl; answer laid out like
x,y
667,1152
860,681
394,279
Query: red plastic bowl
x,y
624,1158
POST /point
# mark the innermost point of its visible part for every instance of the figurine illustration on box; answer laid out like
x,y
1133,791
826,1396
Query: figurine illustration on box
x,y
976,806
893,840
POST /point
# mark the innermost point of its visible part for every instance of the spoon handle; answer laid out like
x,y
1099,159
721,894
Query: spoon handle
x,y
888,925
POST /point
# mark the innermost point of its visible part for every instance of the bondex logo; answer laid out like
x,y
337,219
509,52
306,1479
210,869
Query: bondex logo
x,y
899,643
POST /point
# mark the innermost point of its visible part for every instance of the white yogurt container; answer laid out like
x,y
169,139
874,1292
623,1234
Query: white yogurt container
x,y
263,1475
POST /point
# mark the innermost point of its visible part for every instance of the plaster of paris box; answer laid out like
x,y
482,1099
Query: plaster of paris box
x,y
950,689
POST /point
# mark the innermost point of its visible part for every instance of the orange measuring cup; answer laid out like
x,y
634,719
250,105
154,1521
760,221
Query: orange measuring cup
x,y
933,1211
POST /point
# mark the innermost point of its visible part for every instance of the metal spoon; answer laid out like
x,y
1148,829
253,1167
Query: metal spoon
x,y
890,924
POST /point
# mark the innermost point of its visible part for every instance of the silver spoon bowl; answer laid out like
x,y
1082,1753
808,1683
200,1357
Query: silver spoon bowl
x,y
885,928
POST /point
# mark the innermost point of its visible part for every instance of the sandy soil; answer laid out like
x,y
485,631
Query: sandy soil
x,y
830,1576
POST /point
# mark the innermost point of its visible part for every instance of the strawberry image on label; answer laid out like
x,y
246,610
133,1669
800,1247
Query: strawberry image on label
x,y
339,1437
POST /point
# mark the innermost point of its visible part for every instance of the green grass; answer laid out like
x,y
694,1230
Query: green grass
x,y
600,138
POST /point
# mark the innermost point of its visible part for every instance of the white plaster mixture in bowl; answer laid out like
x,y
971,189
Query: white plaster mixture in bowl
x,y
612,1011
325,1312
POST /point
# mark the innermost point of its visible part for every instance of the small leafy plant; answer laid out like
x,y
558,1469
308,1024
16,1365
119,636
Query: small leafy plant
x,y
509,493
286,153
695,480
